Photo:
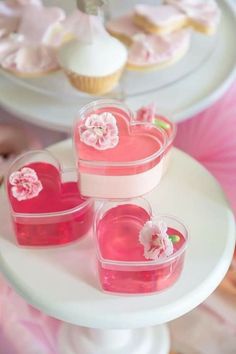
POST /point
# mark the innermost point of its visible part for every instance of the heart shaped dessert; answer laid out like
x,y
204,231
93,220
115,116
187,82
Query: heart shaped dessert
x,y
117,156
138,253
46,204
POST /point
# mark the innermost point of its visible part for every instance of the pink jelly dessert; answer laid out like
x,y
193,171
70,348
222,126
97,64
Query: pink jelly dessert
x,y
117,156
125,265
47,210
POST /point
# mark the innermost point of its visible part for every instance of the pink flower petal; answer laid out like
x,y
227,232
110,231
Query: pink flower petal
x,y
14,178
155,240
26,184
108,118
88,137
100,131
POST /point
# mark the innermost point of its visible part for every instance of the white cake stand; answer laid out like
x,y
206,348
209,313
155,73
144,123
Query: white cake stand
x,y
62,281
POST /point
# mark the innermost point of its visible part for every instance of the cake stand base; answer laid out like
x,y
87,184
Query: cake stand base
x,y
81,340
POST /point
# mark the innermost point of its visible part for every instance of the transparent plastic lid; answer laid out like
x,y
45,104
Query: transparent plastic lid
x,y
138,143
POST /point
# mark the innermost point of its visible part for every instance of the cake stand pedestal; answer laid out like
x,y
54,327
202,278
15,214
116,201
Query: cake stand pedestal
x,y
62,281
78,340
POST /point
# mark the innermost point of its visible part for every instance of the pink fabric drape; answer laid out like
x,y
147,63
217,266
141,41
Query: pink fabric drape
x,y
210,137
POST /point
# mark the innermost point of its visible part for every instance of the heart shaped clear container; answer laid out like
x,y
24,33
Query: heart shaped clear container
x,y
124,265
45,203
117,156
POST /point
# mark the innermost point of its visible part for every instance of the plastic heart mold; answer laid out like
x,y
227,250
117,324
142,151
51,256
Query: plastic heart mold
x,y
46,204
117,156
138,253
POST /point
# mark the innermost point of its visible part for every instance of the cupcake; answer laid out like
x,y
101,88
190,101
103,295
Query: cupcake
x,y
93,67
93,61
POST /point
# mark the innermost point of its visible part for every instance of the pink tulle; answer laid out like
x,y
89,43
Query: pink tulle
x,y
210,137
84,27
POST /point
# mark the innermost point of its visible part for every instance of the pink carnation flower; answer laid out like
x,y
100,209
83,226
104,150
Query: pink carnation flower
x,y
156,242
100,131
146,114
26,184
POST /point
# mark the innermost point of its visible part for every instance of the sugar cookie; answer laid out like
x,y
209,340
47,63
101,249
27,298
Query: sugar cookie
x,y
204,15
159,19
155,52
123,28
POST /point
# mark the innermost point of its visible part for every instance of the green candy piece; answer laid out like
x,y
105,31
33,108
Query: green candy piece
x,y
160,123
174,238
